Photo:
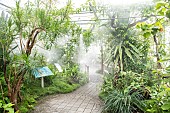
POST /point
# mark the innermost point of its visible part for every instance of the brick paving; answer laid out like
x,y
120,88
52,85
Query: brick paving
x,y
83,100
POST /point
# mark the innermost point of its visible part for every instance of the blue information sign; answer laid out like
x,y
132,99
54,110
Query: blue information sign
x,y
42,72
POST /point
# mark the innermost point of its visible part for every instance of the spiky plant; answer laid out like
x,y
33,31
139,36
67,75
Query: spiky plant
x,y
121,101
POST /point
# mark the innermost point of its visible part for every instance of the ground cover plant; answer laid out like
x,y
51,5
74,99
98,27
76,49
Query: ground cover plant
x,y
138,80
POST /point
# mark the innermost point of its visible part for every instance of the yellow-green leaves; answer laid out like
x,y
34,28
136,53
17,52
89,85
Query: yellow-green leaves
x,y
87,38
160,4
150,29
161,7
146,29
7,107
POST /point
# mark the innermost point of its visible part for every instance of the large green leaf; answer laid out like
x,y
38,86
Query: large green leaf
x,y
166,106
10,110
116,49
135,54
159,5
0,105
116,60
147,34
134,48
128,53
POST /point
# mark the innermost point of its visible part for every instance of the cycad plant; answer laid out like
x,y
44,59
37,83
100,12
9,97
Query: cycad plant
x,y
121,45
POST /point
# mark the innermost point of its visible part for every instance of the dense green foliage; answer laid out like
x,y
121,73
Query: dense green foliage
x,y
122,102
138,80
122,47
19,34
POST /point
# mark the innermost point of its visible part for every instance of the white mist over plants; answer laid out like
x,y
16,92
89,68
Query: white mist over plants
x,y
89,57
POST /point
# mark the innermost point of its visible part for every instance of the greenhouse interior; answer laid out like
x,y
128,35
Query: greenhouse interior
x,y
84,56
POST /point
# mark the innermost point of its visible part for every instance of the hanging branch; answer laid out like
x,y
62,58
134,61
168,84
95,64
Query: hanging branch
x,y
94,11
143,20
31,40
133,24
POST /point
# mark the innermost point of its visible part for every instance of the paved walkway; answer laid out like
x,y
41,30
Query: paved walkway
x,y
83,100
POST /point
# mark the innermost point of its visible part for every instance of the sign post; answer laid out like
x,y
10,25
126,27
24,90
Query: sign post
x,y
42,82
58,67
87,71
41,73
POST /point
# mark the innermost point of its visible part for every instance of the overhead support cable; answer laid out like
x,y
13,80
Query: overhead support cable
x,y
95,14
85,23
119,18
83,12
6,6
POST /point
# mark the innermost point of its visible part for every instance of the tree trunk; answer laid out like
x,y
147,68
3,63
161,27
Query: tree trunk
x,y
16,90
13,91
14,85
13,100
159,66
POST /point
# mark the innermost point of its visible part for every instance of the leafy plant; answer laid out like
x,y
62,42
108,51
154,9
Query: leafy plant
x,y
159,102
87,38
121,101
30,23
6,107
121,47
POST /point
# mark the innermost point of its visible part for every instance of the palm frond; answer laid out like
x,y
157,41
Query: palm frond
x,y
120,55
128,53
